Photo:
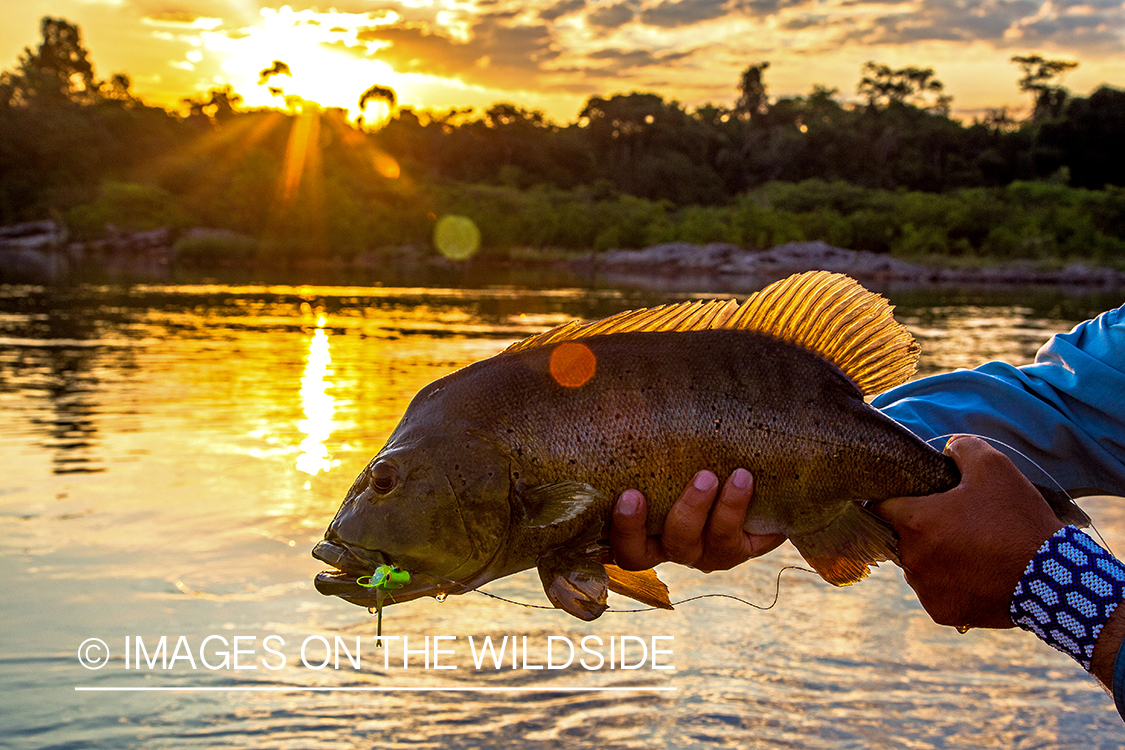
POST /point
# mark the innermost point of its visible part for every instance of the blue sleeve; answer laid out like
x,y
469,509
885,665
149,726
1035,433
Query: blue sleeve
x,y
1066,411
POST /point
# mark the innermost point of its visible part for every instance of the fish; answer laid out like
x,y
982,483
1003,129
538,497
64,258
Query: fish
x,y
513,462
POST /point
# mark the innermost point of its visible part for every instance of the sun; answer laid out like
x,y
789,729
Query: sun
x,y
324,62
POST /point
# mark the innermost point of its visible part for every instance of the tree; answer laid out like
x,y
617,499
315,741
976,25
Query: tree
x,y
884,86
1038,76
59,71
117,89
752,98
1090,139
378,93
278,68
505,114
219,105
652,148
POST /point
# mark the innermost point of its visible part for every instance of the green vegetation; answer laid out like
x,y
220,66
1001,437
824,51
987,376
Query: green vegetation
x,y
894,174
1022,220
216,249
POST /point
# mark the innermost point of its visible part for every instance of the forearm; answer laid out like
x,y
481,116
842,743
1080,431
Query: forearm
x,y
1109,643
1061,412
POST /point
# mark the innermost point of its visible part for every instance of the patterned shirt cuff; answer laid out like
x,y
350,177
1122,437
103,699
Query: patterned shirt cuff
x,y
1067,593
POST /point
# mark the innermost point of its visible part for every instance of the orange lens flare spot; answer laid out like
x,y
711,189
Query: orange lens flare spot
x,y
387,166
573,364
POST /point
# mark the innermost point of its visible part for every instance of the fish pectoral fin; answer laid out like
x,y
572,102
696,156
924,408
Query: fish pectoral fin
x,y
642,585
578,586
558,502
843,550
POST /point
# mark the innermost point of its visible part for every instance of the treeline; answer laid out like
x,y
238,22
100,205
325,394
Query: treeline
x,y
894,173
645,146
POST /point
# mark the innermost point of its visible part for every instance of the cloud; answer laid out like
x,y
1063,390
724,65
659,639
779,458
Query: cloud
x,y
807,21
765,8
1002,23
181,19
620,59
674,13
1099,24
612,16
496,53
560,9
671,14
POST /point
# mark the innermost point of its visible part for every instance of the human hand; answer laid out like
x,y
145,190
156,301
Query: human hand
x,y
698,531
963,551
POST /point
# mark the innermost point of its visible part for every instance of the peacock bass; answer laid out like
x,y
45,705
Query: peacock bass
x,y
515,461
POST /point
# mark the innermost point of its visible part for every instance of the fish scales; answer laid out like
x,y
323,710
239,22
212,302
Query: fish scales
x,y
661,405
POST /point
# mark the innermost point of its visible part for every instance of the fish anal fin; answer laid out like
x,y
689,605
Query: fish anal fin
x,y
843,551
827,313
642,585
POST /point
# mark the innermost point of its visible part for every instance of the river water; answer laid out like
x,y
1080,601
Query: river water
x,y
170,454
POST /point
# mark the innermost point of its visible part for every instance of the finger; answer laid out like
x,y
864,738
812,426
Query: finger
x,y
965,448
683,528
724,527
633,548
906,513
725,543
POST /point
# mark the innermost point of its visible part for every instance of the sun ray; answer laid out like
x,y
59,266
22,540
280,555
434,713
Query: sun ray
x,y
296,217
304,133
239,137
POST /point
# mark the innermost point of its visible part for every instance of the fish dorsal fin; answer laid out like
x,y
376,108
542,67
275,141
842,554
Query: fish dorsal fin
x,y
827,313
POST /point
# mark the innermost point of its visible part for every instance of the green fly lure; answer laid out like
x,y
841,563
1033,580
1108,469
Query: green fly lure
x,y
385,578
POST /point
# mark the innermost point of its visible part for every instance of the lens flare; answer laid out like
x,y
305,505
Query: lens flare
x,y
456,237
573,364
386,165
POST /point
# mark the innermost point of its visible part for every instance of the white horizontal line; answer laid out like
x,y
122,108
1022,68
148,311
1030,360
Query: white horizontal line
x,y
300,688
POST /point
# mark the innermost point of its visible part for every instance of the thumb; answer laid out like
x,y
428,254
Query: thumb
x,y
904,511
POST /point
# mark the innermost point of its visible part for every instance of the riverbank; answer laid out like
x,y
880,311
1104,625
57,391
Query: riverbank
x,y
677,265
39,252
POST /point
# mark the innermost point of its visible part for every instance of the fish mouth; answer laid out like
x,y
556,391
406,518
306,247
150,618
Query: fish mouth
x,y
351,563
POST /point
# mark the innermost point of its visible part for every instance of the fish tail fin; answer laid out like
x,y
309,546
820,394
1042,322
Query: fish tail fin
x,y
843,550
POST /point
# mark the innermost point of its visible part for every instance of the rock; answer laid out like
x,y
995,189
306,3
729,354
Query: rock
x,y
32,235
678,254
29,253
681,264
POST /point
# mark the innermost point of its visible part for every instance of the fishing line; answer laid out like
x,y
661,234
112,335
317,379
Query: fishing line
x,y
776,595
1031,461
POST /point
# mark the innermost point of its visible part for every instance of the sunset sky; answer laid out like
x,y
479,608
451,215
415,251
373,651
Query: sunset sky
x,y
554,54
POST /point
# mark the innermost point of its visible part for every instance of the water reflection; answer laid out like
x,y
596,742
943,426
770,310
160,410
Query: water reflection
x,y
318,405
193,400
72,430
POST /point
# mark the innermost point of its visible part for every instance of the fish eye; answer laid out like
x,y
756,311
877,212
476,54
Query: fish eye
x,y
384,477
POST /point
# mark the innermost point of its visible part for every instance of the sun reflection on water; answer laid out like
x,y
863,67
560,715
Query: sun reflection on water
x,y
318,405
